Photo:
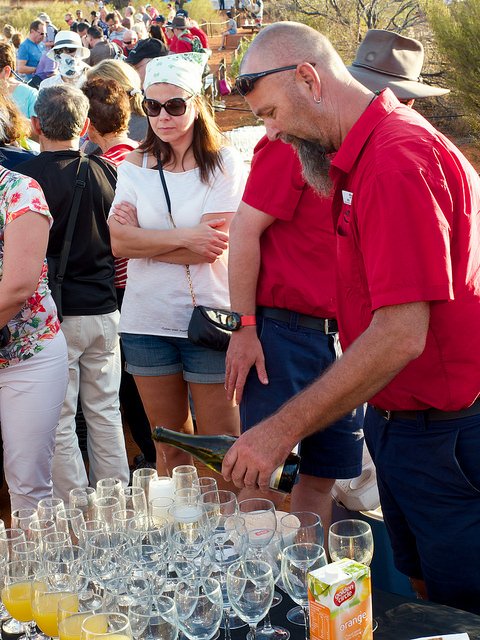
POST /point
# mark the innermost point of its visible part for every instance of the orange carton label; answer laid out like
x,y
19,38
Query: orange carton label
x,y
340,602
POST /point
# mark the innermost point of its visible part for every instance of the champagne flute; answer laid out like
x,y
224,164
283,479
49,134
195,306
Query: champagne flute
x,y
297,527
111,488
105,507
26,551
38,529
21,519
83,499
352,539
184,476
250,591
69,521
297,561
219,506
199,608
45,600
106,626
158,508
48,508
135,500
89,529
206,484
141,478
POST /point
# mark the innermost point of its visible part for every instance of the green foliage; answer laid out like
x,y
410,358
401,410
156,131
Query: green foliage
x,y
457,32
234,69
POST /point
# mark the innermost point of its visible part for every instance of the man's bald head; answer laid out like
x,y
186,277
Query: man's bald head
x,y
285,43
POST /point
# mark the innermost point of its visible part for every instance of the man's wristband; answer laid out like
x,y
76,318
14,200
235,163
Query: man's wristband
x,y
248,321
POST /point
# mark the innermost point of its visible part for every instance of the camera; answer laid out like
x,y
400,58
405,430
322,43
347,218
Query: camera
x,y
4,336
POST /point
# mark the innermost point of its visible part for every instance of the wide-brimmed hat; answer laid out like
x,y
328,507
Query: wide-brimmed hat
x,y
179,22
387,59
69,40
148,48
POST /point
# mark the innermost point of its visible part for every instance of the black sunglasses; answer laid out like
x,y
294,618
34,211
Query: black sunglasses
x,y
245,83
174,106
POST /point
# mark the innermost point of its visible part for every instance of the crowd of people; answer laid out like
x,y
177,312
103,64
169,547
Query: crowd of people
x,y
357,228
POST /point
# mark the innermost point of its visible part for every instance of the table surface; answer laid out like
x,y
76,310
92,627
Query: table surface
x,y
398,618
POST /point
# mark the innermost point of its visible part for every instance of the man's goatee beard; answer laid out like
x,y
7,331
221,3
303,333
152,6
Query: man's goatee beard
x,y
315,163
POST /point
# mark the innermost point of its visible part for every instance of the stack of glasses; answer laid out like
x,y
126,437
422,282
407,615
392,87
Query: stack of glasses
x,y
164,557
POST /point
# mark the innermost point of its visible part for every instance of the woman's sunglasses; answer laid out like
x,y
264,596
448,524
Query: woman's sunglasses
x,y
174,106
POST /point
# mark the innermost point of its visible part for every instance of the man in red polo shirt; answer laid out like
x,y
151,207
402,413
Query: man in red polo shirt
x,y
282,273
406,209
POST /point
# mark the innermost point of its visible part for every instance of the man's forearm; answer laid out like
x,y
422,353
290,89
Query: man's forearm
x,y
243,267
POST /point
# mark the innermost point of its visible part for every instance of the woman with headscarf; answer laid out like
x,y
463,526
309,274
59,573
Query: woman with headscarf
x,y
178,253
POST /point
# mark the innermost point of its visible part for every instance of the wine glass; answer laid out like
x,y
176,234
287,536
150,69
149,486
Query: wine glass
x,y
72,611
184,476
56,540
159,508
111,488
199,607
48,508
8,539
352,539
69,521
38,529
26,551
17,592
135,500
161,487
105,507
141,478
272,554
297,527
219,506
206,484
21,519
250,591
102,626
163,623
45,598
297,561
89,529
225,547
260,522
186,496
83,499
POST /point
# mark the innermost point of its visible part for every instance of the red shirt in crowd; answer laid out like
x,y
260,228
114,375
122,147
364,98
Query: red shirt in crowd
x,y
116,155
407,207
297,269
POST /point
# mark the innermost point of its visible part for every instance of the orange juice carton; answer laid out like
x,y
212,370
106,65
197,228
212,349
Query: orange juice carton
x,y
340,601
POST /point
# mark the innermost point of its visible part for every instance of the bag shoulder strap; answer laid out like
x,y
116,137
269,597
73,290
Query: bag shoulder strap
x,y
72,216
169,206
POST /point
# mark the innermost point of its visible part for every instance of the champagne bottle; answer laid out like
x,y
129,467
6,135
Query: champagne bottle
x,y
212,449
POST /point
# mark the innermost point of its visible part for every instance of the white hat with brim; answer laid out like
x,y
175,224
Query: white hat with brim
x,y
387,59
68,40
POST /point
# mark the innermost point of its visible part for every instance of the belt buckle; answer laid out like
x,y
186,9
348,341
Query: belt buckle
x,y
326,327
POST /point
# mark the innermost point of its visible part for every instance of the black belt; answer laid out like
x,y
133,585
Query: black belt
x,y
325,325
432,415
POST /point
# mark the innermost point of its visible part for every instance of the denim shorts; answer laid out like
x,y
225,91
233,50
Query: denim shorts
x,y
148,355
428,476
296,356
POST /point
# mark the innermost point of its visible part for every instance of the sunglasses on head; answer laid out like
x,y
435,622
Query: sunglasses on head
x,y
246,82
174,106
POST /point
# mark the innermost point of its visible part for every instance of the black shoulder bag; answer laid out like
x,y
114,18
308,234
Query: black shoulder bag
x,y
208,327
57,266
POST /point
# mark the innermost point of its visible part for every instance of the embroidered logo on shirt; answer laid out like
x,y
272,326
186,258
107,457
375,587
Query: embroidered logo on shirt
x,y
347,197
